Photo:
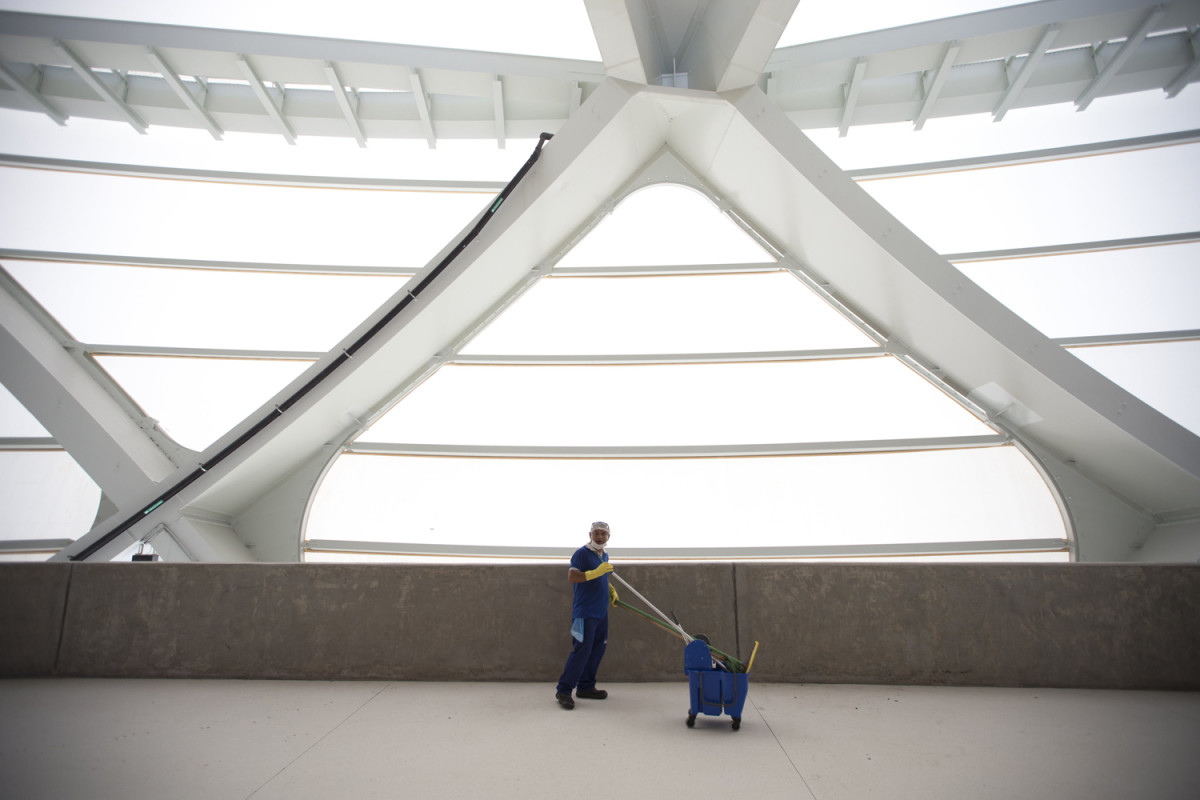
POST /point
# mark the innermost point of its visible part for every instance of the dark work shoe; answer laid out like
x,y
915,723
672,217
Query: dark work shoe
x,y
564,700
593,694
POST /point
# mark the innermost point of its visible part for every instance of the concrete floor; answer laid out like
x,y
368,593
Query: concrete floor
x,y
129,739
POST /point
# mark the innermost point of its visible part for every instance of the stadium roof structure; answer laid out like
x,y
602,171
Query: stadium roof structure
x,y
688,92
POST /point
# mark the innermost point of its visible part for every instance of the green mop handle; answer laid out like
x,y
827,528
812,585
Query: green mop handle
x,y
674,625
734,664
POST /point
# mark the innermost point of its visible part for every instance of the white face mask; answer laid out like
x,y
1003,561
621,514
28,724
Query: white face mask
x,y
599,548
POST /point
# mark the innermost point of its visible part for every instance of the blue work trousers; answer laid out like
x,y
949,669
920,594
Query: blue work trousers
x,y
584,661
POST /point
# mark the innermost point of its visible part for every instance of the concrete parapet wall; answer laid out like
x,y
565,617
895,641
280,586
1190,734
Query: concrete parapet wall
x,y
1070,625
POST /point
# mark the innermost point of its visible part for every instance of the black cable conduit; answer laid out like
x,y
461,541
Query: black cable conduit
x,y
346,354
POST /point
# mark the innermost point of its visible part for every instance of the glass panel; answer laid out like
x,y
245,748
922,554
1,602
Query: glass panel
x,y
1137,290
196,400
85,213
15,419
101,304
664,225
667,314
45,495
680,404
1142,193
944,496
1165,375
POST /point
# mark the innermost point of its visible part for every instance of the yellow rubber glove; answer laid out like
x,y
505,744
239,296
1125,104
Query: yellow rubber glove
x,y
603,569
612,594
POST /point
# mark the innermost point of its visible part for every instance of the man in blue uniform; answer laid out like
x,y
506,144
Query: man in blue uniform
x,y
589,618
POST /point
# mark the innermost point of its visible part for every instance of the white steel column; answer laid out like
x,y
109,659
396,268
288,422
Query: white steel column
x,y
82,415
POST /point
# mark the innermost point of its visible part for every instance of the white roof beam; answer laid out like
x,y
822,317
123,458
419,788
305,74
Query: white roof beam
x,y
1108,340
30,444
343,101
1074,247
33,545
719,46
31,96
412,333
1189,72
189,100
935,84
1028,67
988,40
188,263
888,276
662,55
852,90
978,25
626,554
1026,156
254,178
288,46
1109,71
100,87
674,358
629,47
82,408
498,105
264,97
728,44
475,186
423,110
667,269
682,451
200,352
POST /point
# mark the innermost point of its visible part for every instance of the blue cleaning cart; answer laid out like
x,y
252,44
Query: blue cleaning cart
x,y
713,689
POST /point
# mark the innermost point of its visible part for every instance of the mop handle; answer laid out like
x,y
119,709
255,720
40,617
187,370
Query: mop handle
x,y
669,621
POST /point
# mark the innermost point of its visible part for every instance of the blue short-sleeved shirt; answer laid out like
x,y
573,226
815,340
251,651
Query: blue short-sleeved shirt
x,y
591,597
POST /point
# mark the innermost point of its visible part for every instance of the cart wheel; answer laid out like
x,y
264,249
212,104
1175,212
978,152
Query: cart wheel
x,y
691,720
737,723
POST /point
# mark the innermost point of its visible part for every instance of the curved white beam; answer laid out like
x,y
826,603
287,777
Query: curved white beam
x,y
188,263
400,344
1027,156
81,407
797,197
674,358
680,451
628,554
253,178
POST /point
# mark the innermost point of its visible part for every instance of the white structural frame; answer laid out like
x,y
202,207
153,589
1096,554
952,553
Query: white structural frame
x,y
1119,468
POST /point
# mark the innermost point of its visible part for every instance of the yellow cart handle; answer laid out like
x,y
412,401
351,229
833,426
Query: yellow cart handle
x,y
752,655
